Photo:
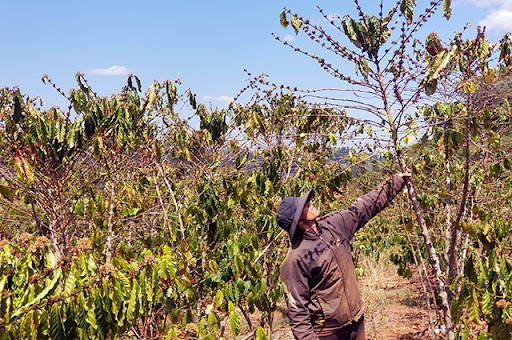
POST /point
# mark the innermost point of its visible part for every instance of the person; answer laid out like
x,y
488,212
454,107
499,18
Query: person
x,y
322,295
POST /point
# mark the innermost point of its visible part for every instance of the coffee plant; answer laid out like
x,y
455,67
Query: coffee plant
x,y
148,215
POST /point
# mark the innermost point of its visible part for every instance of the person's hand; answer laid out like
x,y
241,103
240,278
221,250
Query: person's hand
x,y
406,174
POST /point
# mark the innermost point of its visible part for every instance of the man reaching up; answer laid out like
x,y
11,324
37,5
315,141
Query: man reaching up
x,y
324,301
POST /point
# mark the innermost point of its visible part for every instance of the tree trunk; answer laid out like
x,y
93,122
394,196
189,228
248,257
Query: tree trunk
x,y
453,265
448,197
54,238
110,230
176,206
434,259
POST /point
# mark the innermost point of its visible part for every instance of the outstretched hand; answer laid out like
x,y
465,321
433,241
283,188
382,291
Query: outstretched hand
x,y
405,174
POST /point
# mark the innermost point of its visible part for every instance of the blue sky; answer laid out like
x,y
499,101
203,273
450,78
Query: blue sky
x,y
206,44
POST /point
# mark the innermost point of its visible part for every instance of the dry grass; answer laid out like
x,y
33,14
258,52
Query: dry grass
x,y
395,306
380,282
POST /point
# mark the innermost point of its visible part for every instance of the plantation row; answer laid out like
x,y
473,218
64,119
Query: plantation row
x,y
147,215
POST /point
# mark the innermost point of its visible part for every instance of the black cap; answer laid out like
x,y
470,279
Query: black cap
x,y
289,211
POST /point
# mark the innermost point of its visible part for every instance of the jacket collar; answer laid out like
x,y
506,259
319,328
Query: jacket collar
x,y
308,235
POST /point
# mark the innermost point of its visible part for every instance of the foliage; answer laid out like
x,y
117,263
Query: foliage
x,y
76,297
122,217
445,93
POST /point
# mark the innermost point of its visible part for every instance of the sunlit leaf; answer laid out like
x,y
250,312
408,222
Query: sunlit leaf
x,y
447,8
23,169
261,334
296,24
259,121
234,320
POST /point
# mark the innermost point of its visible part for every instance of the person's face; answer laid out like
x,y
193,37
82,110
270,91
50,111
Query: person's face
x,y
310,212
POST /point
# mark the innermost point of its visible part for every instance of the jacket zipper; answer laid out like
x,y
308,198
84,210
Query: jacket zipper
x,y
342,275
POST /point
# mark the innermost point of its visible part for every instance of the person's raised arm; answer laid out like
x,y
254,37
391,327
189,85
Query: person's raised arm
x,y
367,206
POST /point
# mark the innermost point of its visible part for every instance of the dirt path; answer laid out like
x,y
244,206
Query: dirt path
x,y
397,310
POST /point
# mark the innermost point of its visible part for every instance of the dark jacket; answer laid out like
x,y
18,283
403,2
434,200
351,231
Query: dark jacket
x,y
318,272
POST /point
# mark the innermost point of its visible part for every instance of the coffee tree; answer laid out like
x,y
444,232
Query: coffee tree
x,y
396,75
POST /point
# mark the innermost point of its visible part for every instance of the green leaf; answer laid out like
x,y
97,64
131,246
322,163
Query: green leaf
x,y
90,124
71,137
234,320
332,139
5,192
499,330
30,327
440,62
84,89
406,7
473,306
259,121
283,20
130,82
90,317
137,80
466,331
484,50
70,284
241,163
49,259
213,321
166,267
219,298
362,67
98,142
347,24
130,309
56,330
23,169
170,89
3,280
42,131
261,334
447,8
192,99
430,87
47,288
456,309
469,87
487,304
117,303
17,115
469,270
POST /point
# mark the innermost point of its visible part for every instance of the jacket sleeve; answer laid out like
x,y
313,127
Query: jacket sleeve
x,y
349,220
296,290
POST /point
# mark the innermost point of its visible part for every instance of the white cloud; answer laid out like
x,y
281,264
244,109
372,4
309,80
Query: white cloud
x,y
221,99
498,20
489,3
111,71
497,13
289,38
